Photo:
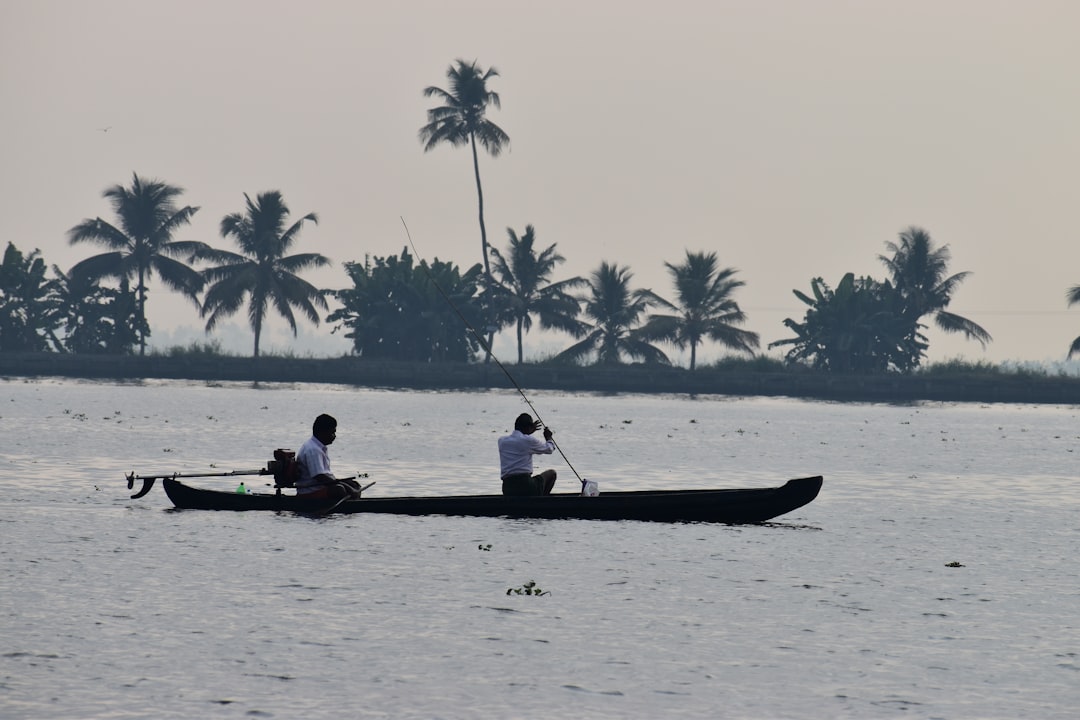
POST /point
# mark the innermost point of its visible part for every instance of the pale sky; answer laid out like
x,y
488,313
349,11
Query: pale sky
x,y
794,138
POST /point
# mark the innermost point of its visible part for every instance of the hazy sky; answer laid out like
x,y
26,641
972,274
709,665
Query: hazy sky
x,y
793,138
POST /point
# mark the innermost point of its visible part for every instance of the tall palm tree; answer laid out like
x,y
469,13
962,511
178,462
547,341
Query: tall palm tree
x,y
142,244
261,274
462,119
522,289
919,274
705,308
616,311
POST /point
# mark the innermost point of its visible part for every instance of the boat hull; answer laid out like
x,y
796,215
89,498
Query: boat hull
x,y
733,506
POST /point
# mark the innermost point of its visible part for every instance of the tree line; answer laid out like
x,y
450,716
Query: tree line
x,y
401,308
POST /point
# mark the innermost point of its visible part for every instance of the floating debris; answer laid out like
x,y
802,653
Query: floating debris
x,y
529,588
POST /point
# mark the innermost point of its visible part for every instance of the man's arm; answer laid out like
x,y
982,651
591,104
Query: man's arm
x,y
545,446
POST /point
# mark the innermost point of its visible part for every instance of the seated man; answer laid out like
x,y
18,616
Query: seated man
x,y
313,461
516,452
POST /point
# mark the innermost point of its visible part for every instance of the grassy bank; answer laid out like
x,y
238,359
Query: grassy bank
x,y
959,383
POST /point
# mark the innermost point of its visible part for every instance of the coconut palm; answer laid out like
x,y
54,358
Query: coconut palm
x,y
1073,296
918,272
616,311
521,288
142,244
262,274
705,308
462,120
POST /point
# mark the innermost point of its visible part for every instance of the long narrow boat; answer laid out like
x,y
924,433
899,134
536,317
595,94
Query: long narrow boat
x,y
734,506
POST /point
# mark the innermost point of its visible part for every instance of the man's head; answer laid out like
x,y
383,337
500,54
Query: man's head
x,y
324,428
525,424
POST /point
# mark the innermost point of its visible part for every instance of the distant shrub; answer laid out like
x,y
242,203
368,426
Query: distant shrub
x,y
211,348
758,363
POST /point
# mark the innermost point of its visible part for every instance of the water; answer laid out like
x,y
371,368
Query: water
x,y
120,608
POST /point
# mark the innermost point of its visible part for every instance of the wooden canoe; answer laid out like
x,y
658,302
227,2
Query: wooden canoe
x,y
734,506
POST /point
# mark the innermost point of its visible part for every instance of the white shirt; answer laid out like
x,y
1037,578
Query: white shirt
x,y
516,451
313,460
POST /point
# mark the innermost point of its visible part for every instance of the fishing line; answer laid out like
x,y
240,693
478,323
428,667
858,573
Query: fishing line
x,y
486,348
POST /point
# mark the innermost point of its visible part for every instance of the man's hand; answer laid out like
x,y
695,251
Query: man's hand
x,y
547,434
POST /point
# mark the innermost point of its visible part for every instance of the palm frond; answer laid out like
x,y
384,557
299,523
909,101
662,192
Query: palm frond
x,y
949,322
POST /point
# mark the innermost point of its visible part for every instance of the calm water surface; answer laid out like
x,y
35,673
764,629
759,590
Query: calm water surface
x,y
121,608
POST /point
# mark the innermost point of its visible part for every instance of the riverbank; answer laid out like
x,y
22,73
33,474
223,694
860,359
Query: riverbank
x,y
989,387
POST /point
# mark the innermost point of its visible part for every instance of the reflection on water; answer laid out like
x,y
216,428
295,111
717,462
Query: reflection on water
x,y
121,608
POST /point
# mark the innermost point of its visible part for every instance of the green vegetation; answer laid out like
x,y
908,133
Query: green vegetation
x,y
867,326
142,245
262,275
209,349
522,288
28,319
406,310
616,312
705,308
395,312
757,363
462,120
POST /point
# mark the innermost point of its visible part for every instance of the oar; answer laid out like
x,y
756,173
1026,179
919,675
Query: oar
x,y
148,480
345,498
487,348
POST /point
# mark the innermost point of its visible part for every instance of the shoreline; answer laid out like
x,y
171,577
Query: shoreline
x,y
642,379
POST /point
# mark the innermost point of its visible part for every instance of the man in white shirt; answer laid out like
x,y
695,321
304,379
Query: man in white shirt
x,y
313,461
516,452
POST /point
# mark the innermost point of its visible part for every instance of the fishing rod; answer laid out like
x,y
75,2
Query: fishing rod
x,y
487,349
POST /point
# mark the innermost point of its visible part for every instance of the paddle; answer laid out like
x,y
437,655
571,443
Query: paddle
x,y
487,348
345,498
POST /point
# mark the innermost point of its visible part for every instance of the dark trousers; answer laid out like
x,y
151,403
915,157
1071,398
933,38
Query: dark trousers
x,y
529,484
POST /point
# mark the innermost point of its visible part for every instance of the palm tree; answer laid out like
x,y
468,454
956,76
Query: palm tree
x,y
616,311
522,289
461,120
705,308
918,273
1073,296
142,244
261,274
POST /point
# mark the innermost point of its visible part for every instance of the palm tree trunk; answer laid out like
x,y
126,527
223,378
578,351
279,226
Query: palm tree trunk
x,y
693,354
142,314
258,333
520,322
480,202
483,235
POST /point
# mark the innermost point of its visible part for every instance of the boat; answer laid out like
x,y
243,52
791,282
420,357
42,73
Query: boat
x,y
731,506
